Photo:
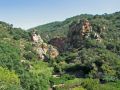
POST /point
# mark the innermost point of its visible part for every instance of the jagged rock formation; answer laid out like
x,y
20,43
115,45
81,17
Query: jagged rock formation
x,y
36,38
43,49
46,51
79,31
86,29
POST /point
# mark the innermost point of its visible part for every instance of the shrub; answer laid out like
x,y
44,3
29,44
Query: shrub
x,y
8,80
37,77
110,86
9,55
90,84
29,55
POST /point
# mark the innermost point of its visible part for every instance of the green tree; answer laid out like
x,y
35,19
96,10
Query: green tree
x,y
37,77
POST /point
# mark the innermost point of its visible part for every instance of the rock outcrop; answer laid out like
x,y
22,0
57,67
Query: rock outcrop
x,y
79,31
44,50
36,38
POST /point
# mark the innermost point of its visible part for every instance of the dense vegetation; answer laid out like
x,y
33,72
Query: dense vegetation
x,y
91,65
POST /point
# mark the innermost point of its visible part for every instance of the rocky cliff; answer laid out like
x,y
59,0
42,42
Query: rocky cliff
x,y
80,31
44,50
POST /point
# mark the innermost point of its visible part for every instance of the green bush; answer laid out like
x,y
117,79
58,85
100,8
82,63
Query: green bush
x,y
91,84
9,55
29,55
9,80
110,86
37,77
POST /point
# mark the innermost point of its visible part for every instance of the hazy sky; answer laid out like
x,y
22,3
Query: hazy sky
x,y
30,13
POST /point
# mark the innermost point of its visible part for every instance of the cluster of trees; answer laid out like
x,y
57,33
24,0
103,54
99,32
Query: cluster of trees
x,y
18,75
20,68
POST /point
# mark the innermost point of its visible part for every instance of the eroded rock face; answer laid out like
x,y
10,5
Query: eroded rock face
x,y
86,29
43,49
79,31
36,38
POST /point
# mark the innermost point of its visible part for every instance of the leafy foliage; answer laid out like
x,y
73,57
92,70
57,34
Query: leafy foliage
x,y
9,55
8,80
37,78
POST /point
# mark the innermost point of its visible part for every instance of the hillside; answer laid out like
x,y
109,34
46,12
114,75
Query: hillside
x,y
80,53
19,63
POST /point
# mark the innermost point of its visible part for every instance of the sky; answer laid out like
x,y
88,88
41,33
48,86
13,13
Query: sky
x,y
30,13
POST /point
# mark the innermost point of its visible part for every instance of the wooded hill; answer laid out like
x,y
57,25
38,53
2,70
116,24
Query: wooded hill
x,y
90,59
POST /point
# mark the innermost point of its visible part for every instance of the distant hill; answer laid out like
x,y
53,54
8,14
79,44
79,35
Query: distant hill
x,y
56,29
8,31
